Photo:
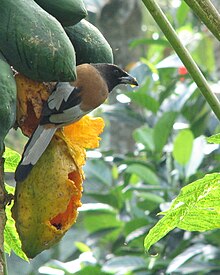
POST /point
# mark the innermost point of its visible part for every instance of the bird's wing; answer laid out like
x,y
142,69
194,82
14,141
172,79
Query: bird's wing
x,y
35,147
60,103
68,116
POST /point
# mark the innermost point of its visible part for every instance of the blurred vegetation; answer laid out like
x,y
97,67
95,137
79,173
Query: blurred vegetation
x,y
124,191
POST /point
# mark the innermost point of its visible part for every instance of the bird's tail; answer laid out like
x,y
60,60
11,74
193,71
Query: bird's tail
x,y
35,147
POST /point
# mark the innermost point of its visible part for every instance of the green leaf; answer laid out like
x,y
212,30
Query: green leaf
x,y
11,238
143,99
138,233
98,172
135,224
148,41
97,207
214,139
106,198
186,255
82,247
10,189
96,222
197,156
183,145
148,201
196,208
115,173
144,135
12,159
163,129
125,264
91,270
203,53
143,172
182,13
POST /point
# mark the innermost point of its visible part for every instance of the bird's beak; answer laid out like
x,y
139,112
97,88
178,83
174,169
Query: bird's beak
x,y
128,80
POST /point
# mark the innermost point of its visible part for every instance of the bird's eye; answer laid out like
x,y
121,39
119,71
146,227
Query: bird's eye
x,y
116,72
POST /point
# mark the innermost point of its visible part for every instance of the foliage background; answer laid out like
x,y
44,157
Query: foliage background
x,y
153,145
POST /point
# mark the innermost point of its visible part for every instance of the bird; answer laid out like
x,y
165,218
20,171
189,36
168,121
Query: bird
x,y
69,102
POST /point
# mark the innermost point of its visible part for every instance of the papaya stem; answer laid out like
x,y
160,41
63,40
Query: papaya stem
x,y
209,15
183,54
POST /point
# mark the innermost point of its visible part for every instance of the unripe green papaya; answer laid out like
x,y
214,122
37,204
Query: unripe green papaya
x,y
68,12
34,42
7,99
89,43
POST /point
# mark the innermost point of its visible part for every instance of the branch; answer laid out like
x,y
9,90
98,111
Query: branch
x,y
183,54
208,14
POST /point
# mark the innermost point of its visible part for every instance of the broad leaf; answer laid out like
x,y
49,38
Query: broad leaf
x,y
144,135
172,61
136,234
148,201
185,256
204,53
163,129
91,270
98,173
97,207
214,139
197,156
143,98
178,103
82,247
148,41
124,264
182,13
143,172
183,147
111,199
12,159
96,222
197,208
11,238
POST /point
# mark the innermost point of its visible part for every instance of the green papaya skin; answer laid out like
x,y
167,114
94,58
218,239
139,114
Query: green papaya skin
x,y
34,42
7,99
89,43
67,12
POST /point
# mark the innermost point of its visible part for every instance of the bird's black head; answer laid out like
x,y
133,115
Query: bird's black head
x,y
114,76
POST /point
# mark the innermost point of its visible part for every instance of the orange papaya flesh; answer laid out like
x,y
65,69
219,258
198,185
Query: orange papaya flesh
x,y
30,98
63,219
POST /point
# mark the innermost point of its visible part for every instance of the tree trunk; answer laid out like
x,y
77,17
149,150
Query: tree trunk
x,y
120,22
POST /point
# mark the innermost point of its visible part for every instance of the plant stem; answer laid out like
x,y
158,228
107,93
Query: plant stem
x,y
205,10
183,54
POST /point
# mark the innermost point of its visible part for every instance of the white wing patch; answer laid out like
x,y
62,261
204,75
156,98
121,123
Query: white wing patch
x,y
68,116
38,144
62,93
